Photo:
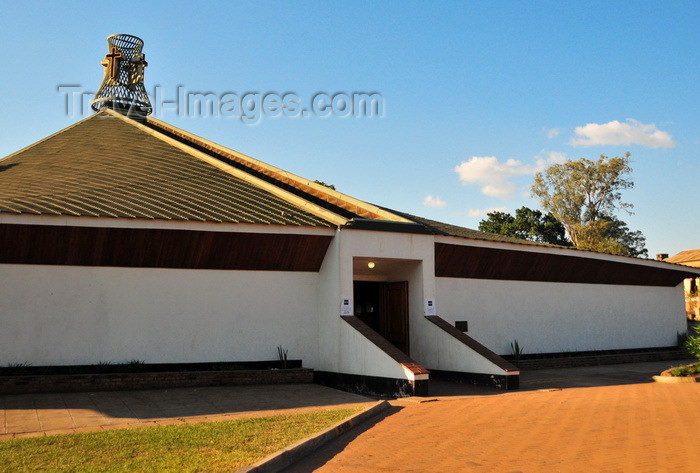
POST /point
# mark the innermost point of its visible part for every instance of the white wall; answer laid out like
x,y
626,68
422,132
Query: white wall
x,y
80,315
405,246
438,350
358,355
328,325
342,348
76,315
559,317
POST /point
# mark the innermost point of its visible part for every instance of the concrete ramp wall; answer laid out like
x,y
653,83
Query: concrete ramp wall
x,y
368,363
452,354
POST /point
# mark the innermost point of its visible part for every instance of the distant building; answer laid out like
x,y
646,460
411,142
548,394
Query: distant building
x,y
687,258
691,285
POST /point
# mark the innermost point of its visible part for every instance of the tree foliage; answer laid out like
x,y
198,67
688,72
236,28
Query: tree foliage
x,y
527,224
611,235
692,343
330,186
584,196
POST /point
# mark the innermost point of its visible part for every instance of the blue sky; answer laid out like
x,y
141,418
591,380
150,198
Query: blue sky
x,y
477,96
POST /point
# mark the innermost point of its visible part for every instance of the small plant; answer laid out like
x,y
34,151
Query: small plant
x,y
681,338
692,343
516,349
687,370
282,355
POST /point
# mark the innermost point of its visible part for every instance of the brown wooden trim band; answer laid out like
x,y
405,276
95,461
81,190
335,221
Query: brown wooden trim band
x,y
473,344
160,248
456,261
384,345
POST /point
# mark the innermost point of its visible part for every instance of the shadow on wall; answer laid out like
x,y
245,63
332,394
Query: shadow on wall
x,y
691,288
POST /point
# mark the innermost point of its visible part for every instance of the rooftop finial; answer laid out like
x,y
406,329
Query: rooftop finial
x,y
122,87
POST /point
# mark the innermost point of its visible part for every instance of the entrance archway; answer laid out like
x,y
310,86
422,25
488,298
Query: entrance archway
x,y
382,289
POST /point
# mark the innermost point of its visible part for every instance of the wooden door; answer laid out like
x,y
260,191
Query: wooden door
x,y
394,314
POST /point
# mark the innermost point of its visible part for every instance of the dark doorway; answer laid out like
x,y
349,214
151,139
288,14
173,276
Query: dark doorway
x,y
384,307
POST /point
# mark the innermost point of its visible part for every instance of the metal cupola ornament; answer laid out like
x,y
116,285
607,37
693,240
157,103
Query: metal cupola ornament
x,y
122,87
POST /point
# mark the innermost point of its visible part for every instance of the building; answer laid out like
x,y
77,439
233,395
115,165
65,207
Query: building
x,y
692,299
123,237
687,258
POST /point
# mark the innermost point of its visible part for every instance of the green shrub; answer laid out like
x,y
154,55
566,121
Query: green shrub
x,y
687,370
692,343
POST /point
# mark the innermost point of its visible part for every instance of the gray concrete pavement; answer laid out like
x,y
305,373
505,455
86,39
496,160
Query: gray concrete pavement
x,y
24,415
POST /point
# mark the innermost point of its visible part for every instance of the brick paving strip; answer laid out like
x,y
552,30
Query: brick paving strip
x,y
32,415
647,427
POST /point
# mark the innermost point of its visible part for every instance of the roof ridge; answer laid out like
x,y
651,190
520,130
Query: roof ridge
x,y
69,127
333,197
256,181
435,225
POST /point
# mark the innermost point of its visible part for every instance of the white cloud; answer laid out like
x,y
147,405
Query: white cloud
x,y
436,201
550,157
552,133
502,190
618,133
555,157
483,212
493,175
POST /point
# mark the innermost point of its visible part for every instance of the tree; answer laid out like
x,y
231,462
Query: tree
x,y
330,186
611,235
500,223
584,196
527,224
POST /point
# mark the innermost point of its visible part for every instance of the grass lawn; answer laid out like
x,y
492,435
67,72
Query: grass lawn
x,y
206,447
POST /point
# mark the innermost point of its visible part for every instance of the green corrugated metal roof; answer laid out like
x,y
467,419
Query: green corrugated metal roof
x,y
105,166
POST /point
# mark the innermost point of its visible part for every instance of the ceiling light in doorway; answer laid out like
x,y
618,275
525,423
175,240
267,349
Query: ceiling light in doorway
x,y
370,265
